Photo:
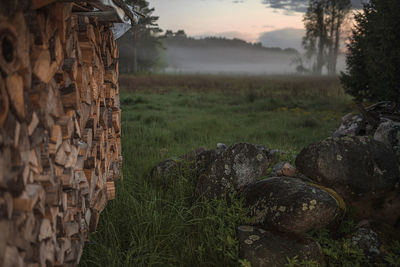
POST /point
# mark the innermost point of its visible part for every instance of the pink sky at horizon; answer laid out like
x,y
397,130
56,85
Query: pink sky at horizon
x,y
245,20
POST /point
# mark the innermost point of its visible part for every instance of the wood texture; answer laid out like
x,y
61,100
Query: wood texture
x,y
60,130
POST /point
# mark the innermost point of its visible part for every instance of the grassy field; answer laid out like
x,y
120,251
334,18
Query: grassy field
x,y
166,116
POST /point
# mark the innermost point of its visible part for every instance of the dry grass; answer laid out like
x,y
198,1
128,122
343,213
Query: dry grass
x,y
260,86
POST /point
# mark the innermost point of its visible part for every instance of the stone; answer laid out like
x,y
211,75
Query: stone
x,y
292,205
165,167
267,249
221,147
369,241
387,133
171,167
231,170
363,171
283,169
288,170
276,169
351,126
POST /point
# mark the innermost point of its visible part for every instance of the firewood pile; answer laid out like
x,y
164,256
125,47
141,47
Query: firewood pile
x,y
60,129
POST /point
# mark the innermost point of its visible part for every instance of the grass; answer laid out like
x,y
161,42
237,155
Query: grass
x,y
166,116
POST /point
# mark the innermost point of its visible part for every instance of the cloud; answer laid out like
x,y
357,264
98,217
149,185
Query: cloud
x,y
300,5
283,38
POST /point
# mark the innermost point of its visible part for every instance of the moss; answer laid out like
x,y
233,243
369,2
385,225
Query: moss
x,y
341,211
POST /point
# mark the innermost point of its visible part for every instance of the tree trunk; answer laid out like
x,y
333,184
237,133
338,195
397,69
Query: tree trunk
x,y
135,39
337,43
321,37
332,35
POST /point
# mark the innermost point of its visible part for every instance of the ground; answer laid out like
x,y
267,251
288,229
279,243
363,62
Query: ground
x,y
153,224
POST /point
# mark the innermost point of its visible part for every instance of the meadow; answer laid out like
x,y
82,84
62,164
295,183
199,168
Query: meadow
x,y
165,116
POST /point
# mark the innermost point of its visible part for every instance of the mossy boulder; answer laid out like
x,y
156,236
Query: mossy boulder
x,y
363,171
267,249
292,205
168,169
231,170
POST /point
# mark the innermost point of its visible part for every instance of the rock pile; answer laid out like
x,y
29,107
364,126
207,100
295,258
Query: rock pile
x,y
285,202
381,120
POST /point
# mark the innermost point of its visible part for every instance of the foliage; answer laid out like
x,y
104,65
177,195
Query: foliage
x,y
392,256
340,252
140,49
295,262
373,59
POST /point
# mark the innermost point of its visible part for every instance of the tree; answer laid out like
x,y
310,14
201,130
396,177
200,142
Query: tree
x,y
140,47
373,58
316,35
337,11
323,22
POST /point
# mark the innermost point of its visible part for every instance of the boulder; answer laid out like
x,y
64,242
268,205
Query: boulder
x,y
387,133
363,171
292,205
169,168
351,126
230,169
266,249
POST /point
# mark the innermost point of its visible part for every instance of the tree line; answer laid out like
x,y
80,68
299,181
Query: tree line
x,y
180,39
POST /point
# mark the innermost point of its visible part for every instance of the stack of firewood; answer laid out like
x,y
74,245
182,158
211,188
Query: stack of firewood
x,y
60,129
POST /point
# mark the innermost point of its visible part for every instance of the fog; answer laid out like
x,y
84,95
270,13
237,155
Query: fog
x,y
231,60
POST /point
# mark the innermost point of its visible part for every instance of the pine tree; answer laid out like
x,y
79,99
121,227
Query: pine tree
x,y
140,48
373,59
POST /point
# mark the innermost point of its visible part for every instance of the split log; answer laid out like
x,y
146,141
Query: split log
x,y
9,54
15,88
3,103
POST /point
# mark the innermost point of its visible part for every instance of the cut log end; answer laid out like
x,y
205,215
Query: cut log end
x,y
9,62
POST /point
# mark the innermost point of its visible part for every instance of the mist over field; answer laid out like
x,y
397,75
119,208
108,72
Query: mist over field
x,y
232,60
227,60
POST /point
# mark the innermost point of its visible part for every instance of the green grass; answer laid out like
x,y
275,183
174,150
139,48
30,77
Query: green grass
x,y
152,225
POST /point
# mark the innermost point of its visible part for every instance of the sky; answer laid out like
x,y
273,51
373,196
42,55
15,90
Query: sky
x,y
273,22
246,20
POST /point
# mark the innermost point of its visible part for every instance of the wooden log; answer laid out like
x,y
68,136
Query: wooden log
x,y
71,66
9,62
110,190
24,47
4,104
55,139
67,126
41,60
33,124
36,4
12,257
15,90
29,198
61,156
70,97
